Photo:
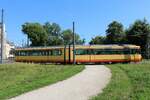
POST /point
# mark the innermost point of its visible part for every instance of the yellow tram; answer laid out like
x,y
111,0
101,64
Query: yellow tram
x,y
83,54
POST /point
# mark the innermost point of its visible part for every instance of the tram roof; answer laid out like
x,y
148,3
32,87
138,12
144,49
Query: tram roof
x,y
113,46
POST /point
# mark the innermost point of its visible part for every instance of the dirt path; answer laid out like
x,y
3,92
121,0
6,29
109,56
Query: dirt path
x,y
82,86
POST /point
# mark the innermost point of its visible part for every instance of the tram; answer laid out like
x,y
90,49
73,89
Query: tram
x,y
83,54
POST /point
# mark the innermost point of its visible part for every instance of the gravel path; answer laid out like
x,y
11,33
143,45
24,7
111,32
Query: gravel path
x,y
82,86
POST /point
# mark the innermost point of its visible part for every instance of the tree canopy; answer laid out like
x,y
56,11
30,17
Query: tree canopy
x,y
49,34
54,34
98,40
68,37
36,34
115,33
138,33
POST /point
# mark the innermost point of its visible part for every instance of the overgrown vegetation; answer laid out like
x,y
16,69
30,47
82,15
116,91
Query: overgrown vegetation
x,y
18,78
129,82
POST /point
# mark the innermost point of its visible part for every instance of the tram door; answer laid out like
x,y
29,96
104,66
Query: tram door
x,y
66,54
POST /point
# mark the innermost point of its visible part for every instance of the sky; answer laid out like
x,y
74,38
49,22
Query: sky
x,y
91,16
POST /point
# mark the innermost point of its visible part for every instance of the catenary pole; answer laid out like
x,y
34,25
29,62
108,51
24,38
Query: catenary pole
x,y
2,37
74,62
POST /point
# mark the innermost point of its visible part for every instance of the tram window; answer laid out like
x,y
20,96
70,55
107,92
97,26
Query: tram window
x,y
17,53
101,51
34,53
37,53
26,53
50,52
135,51
91,51
56,52
110,51
43,53
22,53
119,52
81,52
126,51
139,51
97,52
106,51
46,53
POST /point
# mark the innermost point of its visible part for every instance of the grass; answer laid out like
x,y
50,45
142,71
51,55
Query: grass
x,y
129,82
18,78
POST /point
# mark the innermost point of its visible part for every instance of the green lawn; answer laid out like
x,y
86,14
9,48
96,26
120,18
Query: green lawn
x,y
129,82
18,78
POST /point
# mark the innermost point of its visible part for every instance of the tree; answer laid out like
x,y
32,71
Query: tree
x,y
138,34
36,33
49,34
54,34
115,33
98,40
68,37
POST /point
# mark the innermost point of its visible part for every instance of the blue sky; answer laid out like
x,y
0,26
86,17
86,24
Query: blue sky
x,y
91,16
